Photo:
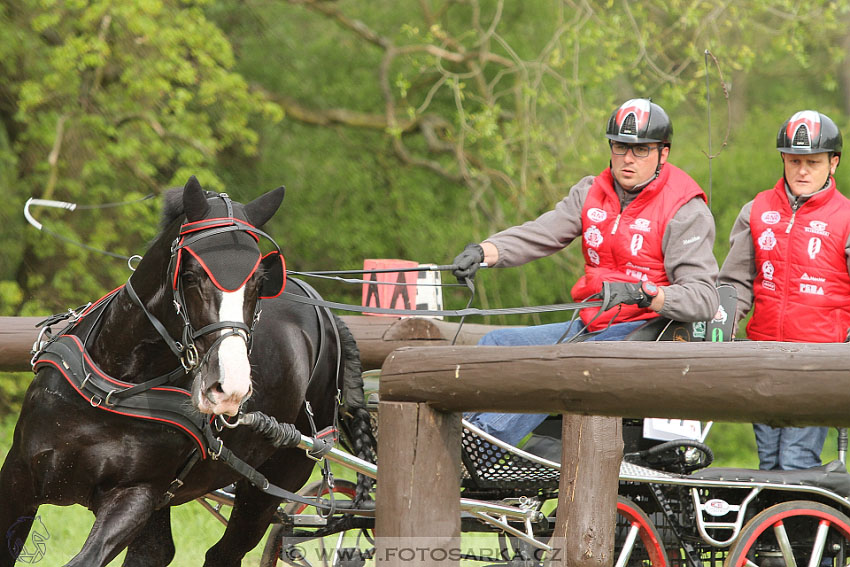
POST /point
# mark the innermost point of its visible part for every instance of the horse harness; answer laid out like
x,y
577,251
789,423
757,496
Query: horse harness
x,y
158,399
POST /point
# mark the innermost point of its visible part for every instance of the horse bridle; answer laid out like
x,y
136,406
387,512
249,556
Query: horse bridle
x,y
191,233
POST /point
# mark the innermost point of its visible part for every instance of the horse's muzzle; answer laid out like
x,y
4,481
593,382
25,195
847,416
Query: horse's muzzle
x,y
218,399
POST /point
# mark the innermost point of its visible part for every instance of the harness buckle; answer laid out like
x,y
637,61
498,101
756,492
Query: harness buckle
x,y
131,259
39,343
216,454
221,422
108,396
96,401
85,381
190,357
310,455
175,486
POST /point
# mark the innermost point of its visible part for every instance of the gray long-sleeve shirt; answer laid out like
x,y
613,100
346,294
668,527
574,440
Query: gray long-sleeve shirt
x,y
739,268
687,246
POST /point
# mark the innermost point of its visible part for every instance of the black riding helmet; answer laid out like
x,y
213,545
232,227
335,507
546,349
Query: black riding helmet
x,y
809,132
640,121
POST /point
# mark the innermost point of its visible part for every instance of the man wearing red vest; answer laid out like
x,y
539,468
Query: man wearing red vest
x,y
789,261
645,228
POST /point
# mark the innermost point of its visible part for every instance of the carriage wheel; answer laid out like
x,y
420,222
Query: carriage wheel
x,y
795,533
336,550
637,542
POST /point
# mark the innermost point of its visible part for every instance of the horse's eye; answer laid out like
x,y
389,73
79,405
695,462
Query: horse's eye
x,y
189,278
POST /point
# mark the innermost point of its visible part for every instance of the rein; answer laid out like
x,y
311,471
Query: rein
x,y
449,313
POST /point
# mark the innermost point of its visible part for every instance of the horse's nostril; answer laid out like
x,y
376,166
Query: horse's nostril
x,y
217,388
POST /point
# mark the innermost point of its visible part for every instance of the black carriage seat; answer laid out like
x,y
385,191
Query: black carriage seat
x,y
717,330
832,476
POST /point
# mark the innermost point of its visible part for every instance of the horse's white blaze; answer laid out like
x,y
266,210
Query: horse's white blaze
x,y
234,367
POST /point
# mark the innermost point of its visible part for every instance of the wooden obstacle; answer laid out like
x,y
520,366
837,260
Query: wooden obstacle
x,y
768,382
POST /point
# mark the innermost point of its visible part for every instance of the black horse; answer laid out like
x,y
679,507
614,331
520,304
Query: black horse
x,y
202,325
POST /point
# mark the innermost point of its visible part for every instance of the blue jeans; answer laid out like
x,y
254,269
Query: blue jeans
x,y
512,427
789,448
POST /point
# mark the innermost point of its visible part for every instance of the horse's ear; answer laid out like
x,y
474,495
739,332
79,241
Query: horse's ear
x,y
261,209
195,204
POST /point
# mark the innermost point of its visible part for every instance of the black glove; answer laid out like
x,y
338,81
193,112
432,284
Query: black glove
x,y
467,262
623,293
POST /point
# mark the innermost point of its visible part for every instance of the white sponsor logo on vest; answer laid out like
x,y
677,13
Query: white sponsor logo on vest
x,y
811,289
808,278
593,256
770,217
768,285
637,244
642,225
817,227
635,274
767,240
814,246
596,215
767,270
593,236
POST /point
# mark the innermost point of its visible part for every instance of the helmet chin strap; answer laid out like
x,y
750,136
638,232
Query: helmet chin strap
x,y
639,187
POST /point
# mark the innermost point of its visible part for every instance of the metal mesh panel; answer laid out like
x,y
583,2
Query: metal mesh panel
x,y
490,466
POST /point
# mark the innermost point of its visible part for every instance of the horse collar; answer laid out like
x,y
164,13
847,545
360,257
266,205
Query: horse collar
x,y
154,400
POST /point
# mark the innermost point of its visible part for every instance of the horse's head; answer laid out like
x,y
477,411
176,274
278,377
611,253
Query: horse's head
x,y
218,275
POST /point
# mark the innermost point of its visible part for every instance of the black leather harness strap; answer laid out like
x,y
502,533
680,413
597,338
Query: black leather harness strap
x,y
164,405
221,453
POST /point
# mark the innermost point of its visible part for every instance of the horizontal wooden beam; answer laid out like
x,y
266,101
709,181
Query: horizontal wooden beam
x,y
803,383
376,337
17,334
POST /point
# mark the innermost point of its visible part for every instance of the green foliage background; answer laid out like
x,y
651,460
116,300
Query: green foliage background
x,y
401,129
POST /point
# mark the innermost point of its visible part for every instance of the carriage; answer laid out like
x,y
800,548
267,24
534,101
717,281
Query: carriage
x,y
193,324
672,509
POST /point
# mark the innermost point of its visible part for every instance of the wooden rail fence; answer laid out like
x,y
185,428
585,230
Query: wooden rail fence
x,y
422,391
376,337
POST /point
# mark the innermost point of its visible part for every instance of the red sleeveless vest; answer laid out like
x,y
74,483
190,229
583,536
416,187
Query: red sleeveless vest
x,y
802,289
626,246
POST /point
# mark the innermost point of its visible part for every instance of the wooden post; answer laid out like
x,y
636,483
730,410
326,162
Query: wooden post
x,y
587,505
418,503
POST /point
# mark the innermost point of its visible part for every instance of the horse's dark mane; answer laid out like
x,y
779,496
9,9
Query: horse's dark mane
x,y
172,207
